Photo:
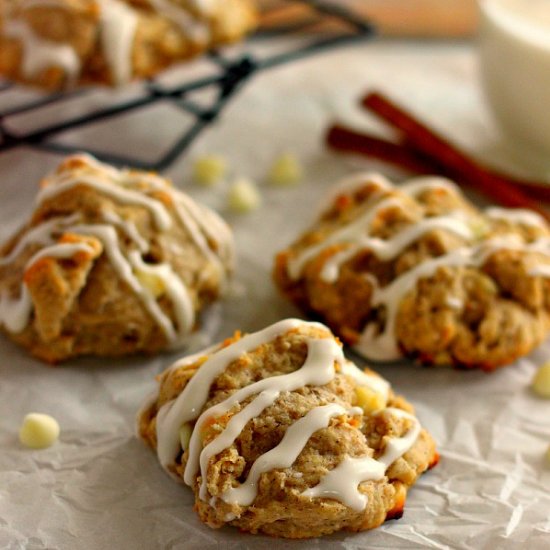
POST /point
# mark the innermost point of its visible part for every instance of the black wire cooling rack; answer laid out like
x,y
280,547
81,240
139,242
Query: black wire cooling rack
x,y
232,74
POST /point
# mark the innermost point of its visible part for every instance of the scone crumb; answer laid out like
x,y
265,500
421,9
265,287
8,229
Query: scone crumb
x,y
244,196
285,170
209,169
38,431
541,381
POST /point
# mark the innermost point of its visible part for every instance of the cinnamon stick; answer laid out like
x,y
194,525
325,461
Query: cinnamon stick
x,y
442,153
342,138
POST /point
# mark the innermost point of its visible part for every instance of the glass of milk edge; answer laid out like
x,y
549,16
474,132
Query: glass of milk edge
x,y
514,53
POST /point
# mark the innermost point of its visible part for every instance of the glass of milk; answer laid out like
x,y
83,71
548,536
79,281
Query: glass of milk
x,y
514,48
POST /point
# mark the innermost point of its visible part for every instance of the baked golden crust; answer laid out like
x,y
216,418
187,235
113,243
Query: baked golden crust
x,y
112,262
281,506
420,271
60,43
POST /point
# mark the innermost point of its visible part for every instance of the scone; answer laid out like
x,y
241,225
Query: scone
x,y
277,433
112,262
59,43
417,270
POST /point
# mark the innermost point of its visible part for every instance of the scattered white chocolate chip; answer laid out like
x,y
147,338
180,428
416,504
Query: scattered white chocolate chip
x,y
38,431
209,169
244,196
541,381
286,170
185,435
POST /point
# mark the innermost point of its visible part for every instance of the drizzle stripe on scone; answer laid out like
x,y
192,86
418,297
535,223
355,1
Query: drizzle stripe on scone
x,y
205,425
416,269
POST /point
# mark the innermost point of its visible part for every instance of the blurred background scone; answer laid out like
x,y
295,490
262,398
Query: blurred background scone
x,y
60,43
417,270
278,433
112,262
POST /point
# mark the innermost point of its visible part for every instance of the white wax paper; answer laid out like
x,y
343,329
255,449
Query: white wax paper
x,y
99,487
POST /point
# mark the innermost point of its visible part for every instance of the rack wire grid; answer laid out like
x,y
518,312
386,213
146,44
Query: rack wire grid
x,y
230,75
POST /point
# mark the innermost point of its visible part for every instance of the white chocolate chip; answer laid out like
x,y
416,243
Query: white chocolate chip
x,y
185,435
209,169
38,431
369,400
541,381
152,282
244,196
286,170
479,228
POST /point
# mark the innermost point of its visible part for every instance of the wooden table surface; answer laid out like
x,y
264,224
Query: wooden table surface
x,y
408,18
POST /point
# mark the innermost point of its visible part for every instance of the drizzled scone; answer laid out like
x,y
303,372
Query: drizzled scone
x,y
417,270
112,262
277,433
59,43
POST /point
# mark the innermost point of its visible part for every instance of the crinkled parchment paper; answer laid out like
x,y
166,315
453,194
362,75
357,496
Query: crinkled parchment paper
x,y
99,487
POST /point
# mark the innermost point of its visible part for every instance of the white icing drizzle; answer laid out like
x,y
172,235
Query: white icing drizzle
x,y
342,482
372,381
41,235
176,291
324,359
383,346
117,32
123,267
352,234
61,251
196,30
351,184
389,249
188,405
516,215
356,235
15,313
317,370
39,53
60,184
417,186
201,223
398,446
205,7
194,218
287,451
117,28
454,302
128,228
380,344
